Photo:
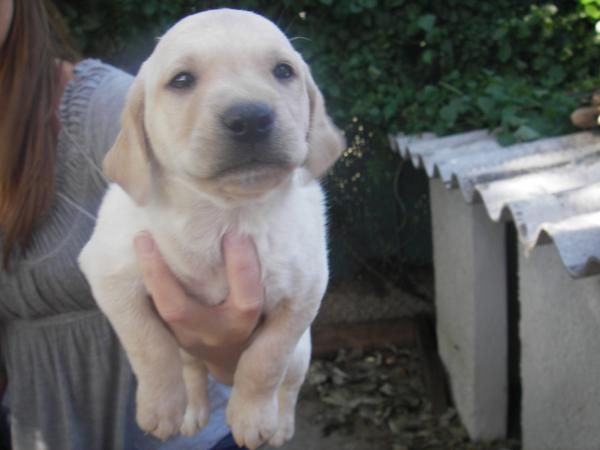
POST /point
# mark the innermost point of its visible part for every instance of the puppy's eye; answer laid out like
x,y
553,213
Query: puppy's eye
x,y
183,80
283,71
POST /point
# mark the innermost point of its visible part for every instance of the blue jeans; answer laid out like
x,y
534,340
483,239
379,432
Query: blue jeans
x,y
227,443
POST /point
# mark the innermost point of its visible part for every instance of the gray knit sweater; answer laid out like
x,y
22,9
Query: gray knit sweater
x,y
69,383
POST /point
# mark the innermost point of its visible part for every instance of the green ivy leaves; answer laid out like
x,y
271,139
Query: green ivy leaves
x,y
517,108
591,8
426,22
405,64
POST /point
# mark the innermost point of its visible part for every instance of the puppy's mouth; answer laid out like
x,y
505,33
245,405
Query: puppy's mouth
x,y
252,178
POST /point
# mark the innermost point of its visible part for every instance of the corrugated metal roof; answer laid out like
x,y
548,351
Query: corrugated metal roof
x,y
550,188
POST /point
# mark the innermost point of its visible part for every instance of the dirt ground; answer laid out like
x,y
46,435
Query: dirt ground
x,y
378,399
375,400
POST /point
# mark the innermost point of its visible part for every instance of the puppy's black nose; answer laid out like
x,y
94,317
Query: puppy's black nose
x,y
249,121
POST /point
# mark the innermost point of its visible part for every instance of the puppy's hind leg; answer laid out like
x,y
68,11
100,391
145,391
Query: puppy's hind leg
x,y
290,388
195,376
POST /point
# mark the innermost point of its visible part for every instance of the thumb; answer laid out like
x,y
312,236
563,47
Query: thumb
x,y
246,293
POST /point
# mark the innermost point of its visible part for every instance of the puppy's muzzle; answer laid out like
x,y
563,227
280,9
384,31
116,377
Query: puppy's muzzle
x,y
249,122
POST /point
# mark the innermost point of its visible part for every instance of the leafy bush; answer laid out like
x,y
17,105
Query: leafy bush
x,y
387,65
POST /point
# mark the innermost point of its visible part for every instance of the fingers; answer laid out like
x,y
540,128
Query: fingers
x,y
218,334
169,297
246,293
243,306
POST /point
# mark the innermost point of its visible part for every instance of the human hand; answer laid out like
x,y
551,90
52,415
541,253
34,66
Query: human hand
x,y
216,334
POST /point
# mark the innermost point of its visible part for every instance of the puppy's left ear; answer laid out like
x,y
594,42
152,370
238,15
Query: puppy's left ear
x,y
128,161
325,141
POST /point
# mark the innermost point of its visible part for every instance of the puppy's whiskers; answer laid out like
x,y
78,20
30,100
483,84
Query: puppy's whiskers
x,y
280,15
295,38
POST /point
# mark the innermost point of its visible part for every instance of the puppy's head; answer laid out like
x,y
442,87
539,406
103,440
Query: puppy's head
x,y
226,103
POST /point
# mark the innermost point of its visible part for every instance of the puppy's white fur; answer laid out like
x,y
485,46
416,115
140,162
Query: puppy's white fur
x,y
179,176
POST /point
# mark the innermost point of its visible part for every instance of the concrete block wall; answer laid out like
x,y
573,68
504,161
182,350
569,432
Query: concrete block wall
x,y
560,354
471,310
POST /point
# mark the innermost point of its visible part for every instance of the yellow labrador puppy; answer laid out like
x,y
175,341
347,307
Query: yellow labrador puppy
x,y
224,129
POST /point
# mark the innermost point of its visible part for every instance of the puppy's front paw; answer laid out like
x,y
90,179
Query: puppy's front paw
x,y
287,411
285,430
195,418
160,411
253,420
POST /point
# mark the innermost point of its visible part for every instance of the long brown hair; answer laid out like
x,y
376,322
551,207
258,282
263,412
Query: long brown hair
x,y
30,77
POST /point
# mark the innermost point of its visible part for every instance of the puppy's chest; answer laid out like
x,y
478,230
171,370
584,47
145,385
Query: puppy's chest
x,y
290,242
203,275
207,284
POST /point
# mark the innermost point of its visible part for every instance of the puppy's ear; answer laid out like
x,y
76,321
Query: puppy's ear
x,y
127,163
325,142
